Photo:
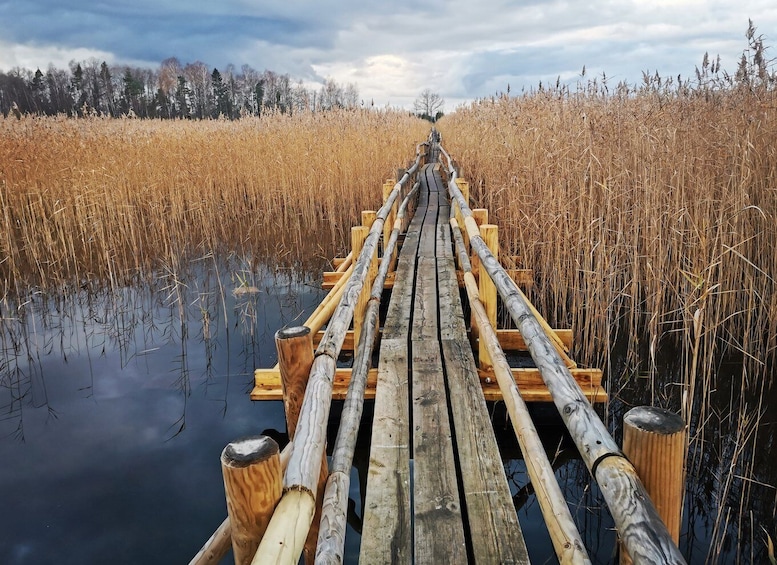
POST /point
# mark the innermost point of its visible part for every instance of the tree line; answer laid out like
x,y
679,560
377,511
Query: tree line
x,y
174,90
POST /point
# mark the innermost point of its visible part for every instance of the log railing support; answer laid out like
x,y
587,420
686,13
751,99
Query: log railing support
x,y
358,235
487,292
295,358
253,483
282,542
654,442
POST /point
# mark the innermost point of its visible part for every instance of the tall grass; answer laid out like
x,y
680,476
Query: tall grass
x,y
111,200
656,211
650,216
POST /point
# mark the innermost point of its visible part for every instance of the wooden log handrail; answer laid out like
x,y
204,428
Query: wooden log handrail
x,y
641,529
567,542
282,543
331,537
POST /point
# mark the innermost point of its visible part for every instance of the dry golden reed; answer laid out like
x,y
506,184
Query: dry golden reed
x,y
650,218
655,209
102,199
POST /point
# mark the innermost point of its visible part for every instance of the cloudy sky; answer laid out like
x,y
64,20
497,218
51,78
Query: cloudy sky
x,y
392,50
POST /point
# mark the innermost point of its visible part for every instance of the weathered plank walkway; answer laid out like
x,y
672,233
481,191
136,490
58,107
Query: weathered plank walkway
x,y
436,489
428,410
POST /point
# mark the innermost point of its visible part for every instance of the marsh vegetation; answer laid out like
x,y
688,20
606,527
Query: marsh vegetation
x,y
648,213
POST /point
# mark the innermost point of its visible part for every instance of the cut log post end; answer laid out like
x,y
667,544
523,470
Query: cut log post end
x,y
289,333
249,450
654,420
295,357
253,485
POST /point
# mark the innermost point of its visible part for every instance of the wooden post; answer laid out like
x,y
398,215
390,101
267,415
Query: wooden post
x,y
388,225
480,215
253,483
358,235
487,291
464,189
368,216
654,442
295,358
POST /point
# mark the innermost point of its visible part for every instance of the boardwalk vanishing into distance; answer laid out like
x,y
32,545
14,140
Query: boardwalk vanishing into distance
x,y
419,297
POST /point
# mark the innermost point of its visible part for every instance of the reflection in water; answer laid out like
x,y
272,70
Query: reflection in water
x,y
115,406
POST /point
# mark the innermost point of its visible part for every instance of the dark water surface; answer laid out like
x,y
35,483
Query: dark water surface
x,y
115,406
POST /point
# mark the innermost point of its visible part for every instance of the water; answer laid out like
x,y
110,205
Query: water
x,y
115,406
114,410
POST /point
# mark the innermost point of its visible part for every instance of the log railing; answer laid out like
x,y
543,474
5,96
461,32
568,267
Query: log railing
x,y
286,533
564,535
641,530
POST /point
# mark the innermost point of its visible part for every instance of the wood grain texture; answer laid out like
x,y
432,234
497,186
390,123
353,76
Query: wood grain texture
x,y
253,484
439,531
492,522
331,541
654,440
386,529
295,357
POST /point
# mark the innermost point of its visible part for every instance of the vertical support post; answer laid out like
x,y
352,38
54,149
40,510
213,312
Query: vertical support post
x,y
295,358
368,217
480,215
654,442
487,290
388,225
358,235
253,483
464,188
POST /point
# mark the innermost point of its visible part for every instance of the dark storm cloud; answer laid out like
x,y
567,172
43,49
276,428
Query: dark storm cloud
x,y
393,50
145,32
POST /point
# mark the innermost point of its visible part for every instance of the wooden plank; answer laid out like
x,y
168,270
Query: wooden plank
x,y
522,277
425,301
400,306
444,239
494,530
594,394
439,531
268,385
452,324
512,340
386,530
427,245
331,277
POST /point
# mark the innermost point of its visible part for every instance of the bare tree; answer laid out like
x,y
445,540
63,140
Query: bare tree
x,y
428,104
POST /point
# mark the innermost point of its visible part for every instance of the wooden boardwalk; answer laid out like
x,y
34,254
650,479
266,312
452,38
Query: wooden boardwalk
x,y
436,490
428,410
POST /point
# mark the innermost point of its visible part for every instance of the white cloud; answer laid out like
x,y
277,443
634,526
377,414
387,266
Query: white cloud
x,y
40,56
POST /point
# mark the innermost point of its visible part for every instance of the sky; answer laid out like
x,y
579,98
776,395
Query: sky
x,y
462,50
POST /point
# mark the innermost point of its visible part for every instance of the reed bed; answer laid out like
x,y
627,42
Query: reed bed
x,y
650,218
651,210
96,200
